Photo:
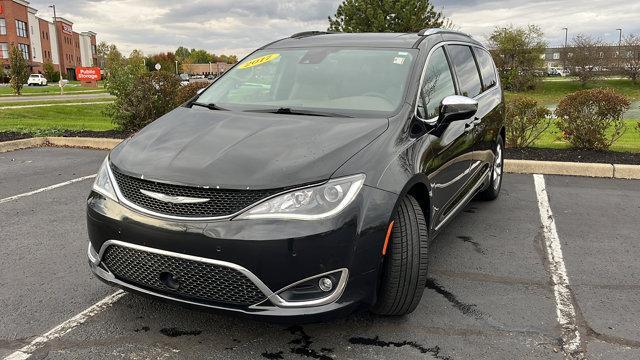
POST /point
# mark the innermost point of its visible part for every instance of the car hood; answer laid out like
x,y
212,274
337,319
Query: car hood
x,y
240,150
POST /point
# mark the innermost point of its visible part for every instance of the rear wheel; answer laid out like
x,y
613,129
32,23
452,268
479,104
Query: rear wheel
x,y
493,190
404,272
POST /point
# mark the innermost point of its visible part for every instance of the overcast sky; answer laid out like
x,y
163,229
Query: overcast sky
x,y
237,26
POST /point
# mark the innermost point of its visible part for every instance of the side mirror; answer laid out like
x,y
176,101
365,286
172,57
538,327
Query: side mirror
x,y
456,107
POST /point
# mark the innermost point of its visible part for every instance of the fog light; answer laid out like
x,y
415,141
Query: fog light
x,y
325,284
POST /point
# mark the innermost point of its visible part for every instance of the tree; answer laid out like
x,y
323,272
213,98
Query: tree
x,y
586,57
154,94
122,73
200,57
385,16
631,57
102,49
516,52
50,72
18,69
182,53
167,62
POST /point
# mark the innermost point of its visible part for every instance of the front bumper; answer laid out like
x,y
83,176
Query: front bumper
x,y
274,255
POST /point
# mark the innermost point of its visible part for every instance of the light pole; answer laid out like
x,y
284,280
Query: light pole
x,y
564,57
619,47
55,27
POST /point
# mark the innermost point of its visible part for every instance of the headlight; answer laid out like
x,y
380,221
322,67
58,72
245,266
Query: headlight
x,y
102,184
312,203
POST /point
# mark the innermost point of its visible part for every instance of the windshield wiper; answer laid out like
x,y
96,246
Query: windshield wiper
x,y
210,106
290,111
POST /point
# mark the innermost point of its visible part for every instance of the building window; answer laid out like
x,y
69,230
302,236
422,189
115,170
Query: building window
x,y
3,27
93,49
24,48
556,56
21,28
4,51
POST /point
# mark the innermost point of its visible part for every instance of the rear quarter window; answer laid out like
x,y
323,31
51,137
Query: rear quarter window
x,y
487,69
466,70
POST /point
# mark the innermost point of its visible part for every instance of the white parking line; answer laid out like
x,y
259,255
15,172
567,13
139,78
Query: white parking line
x,y
54,104
565,311
65,327
15,197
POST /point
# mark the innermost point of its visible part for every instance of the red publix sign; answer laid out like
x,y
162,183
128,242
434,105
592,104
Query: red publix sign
x,y
88,73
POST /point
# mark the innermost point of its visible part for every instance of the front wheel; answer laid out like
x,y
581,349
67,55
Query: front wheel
x,y
493,190
404,272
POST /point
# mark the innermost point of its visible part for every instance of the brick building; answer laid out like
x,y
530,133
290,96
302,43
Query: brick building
x,y
611,56
41,40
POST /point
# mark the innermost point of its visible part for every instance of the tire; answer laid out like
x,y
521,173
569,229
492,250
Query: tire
x,y
404,272
493,190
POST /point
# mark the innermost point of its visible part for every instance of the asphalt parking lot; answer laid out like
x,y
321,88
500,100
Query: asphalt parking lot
x,y
496,288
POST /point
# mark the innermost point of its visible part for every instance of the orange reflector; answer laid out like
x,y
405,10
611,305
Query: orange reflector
x,y
386,239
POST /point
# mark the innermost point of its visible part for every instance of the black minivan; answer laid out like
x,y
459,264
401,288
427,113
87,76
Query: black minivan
x,y
309,179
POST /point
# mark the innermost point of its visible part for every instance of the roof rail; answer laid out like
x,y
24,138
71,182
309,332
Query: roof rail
x,y
433,31
310,33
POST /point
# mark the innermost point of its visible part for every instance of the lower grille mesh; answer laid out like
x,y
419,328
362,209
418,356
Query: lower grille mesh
x,y
197,280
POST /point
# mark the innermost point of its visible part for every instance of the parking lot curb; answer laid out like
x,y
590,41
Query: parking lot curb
x,y
21,144
92,143
79,142
626,171
617,171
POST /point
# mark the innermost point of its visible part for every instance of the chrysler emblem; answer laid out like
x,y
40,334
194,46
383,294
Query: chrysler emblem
x,y
173,199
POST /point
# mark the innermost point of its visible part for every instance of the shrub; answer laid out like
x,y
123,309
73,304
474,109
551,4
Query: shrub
x,y
592,119
525,121
185,93
150,96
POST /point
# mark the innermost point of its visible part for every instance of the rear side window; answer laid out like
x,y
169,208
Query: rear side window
x,y
466,69
487,70
437,84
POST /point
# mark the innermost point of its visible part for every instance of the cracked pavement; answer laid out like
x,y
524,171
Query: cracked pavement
x,y
489,294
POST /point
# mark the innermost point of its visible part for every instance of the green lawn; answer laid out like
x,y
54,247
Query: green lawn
x,y
629,142
44,102
51,89
54,118
552,90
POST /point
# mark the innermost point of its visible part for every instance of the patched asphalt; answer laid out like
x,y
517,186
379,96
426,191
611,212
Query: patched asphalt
x,y
489,295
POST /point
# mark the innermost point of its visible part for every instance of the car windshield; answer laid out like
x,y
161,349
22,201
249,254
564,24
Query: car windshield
x,y
353,82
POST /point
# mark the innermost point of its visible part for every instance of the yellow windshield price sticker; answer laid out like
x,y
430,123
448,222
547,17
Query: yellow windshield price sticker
x,y
259,61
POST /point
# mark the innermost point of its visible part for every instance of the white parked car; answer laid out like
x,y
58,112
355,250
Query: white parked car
x,y
36,80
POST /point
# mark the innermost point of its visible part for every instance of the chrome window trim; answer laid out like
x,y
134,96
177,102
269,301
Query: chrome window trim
x,y
434,120
96,258
145,211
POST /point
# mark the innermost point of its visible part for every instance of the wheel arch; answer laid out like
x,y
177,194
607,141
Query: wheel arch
x,y
418,187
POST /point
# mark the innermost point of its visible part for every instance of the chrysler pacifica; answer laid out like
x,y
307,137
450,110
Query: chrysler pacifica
x,y
307,180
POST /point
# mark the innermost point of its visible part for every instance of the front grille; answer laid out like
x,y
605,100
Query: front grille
x,y
221,202
197,280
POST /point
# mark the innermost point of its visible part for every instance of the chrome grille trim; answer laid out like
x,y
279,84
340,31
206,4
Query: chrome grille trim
x,y
95,260
121,197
